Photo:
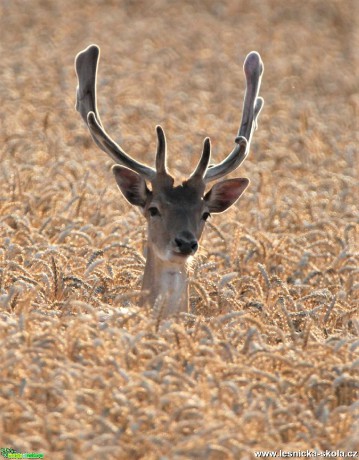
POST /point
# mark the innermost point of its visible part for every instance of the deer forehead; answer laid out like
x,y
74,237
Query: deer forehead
x,y
182,196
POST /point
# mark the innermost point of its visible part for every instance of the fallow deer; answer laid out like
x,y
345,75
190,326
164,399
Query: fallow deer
x,y
175,214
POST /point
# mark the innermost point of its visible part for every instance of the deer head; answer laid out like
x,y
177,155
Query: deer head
x,y
175,215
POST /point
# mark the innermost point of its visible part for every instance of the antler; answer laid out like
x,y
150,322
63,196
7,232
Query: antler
x,y
86,64
253,69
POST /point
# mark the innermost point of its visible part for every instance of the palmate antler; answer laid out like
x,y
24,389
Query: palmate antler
x,y
253,69
86,64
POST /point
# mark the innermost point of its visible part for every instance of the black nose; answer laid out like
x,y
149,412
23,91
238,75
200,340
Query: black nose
x,y
186,246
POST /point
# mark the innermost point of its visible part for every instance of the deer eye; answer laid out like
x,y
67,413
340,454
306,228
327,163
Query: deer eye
x,y
153,211
205,215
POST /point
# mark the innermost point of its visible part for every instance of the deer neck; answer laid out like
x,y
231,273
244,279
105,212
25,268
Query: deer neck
x,y
167,283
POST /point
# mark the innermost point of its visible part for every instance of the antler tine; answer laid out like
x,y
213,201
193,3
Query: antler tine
x,y
161,151
86,64
202,165
253,69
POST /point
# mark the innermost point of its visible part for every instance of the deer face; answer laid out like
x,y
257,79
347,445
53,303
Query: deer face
x,y
176,218
176,215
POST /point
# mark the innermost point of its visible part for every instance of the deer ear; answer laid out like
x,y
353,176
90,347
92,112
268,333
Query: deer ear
x,y
223,194
132,185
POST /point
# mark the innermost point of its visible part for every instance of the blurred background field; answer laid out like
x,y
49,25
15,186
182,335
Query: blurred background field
x,y
268,357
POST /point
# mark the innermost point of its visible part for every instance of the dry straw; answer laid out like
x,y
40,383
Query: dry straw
x,y
268,356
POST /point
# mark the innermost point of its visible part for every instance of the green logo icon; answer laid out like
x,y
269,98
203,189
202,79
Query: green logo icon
x,y
8,452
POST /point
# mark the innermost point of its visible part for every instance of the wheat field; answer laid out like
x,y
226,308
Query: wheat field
x,y
268,357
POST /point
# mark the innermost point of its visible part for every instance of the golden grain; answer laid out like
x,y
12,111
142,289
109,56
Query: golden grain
x,y
268,356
